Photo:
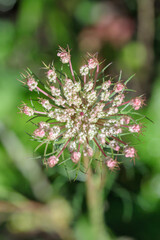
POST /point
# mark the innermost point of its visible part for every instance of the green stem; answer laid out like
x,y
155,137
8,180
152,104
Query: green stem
x,y
95,192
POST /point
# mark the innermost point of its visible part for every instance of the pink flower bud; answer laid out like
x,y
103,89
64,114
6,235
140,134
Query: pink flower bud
x,y
135,128
117,148
27,110
39,133
130,152
111,164
52,161
92,63
75,157
64,55
137,103
125,120
31,83
119,87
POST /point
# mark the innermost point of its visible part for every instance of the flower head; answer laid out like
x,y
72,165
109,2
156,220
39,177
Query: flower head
x,y
130,152
51,75
135,128
64,55
119,87
106,85
75,157
125,120
39,132
27,110
45,103
137,103
81,116
31,83
84,70
92,63
52,161
112,164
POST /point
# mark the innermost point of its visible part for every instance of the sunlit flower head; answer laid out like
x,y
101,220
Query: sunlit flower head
x,y
82,113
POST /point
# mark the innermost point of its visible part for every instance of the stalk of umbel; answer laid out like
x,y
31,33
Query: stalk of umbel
x,y
95,201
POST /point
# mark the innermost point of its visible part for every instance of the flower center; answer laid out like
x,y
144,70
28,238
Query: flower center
x,y
82,113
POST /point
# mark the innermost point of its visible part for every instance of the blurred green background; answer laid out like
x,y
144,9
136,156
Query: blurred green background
x,y
38,203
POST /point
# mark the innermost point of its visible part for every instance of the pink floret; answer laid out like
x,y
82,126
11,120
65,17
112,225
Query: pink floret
x,y
39,133
31,83
135,128
137,103
112,164
27,110
130,152
125,119
75,157
92,63
119,87
64,56
50,73
52,161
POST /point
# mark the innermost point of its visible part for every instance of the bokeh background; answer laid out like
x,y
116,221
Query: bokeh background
x,y
38,203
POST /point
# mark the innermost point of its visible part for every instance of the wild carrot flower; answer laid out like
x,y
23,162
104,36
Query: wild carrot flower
x,y
81,113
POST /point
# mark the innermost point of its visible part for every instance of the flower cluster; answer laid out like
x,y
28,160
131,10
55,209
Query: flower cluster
x,y
81,115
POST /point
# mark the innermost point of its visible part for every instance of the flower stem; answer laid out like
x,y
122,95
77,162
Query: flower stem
x,y
70,65
99,147
94,195
63,148
46,94
96,74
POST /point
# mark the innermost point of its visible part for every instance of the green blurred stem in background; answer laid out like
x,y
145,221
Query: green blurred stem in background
x,y
94,194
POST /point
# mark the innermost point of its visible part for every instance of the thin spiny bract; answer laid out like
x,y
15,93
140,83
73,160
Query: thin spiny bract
x,y
83,112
